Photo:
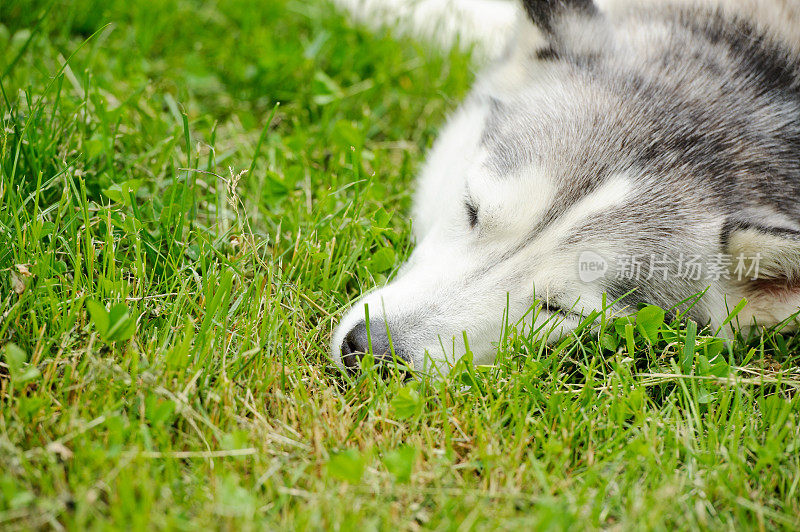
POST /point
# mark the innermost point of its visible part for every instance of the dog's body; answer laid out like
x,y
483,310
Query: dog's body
x,y
643,150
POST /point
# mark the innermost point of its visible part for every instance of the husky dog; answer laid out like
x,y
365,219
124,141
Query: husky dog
x,y
648,151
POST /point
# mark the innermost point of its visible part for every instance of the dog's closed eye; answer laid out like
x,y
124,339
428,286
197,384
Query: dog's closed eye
x,y
472,213
553,308
556,309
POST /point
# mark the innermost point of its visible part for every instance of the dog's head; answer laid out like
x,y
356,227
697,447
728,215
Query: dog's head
x,y
576,170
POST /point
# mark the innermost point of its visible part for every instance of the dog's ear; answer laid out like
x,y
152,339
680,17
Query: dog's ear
x,y
766,262
547,13
570,27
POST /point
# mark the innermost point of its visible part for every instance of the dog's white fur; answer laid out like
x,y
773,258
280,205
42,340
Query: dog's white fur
x,y
444,23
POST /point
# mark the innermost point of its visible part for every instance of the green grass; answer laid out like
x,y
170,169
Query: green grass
x,y
205,397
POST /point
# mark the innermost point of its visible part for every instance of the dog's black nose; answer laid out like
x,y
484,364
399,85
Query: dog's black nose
x,y
356,345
